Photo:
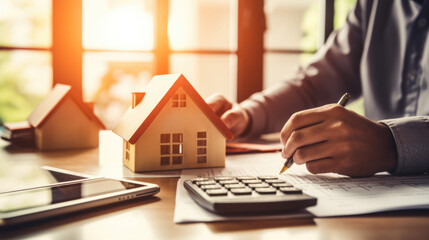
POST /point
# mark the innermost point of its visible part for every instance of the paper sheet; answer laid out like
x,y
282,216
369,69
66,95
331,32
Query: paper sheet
x,y
337,195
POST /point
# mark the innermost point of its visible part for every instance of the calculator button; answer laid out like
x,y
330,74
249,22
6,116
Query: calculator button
x,y
246,178
229,182
259,185
241,191
238,185
207,187
217,192
199,180
266,190
209,182
252,181
274,181
268,177
223,178
290,190
278,185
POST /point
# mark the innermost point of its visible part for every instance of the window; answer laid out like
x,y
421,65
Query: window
x,y
165,138
165,149
25,42
201,147
127,150
165,160
178,100
291,37
106,49
295,30
171,149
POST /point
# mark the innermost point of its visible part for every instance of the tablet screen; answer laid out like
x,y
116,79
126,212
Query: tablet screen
x,y
23,177
13,201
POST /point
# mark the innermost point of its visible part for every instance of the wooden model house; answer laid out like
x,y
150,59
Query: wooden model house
x,y
62,122
171,127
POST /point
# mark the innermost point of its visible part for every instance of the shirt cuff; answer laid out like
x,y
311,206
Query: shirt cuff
x,y
411,135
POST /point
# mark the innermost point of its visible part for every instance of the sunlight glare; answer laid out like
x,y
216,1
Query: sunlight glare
x,y
127,28
182,24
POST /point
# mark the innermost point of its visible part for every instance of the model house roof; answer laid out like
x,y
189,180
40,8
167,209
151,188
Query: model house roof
x,y
54,100
160,90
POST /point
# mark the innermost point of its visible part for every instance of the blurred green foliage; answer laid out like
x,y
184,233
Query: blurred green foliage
x,y
24,75
311,21
15,103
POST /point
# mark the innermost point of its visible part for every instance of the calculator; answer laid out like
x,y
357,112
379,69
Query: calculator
x,y
247,195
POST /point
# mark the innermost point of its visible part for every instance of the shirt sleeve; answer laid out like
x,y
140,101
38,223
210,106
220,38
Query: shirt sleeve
x,y
411,136
333,71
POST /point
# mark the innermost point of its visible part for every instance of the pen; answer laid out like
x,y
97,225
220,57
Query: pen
x,y
343,101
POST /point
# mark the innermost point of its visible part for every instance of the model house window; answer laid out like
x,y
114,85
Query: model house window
x,y
127,151
177,148
201,147
179,100
171,148
165,149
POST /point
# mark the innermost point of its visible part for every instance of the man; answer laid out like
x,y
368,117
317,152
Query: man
x,y
380,53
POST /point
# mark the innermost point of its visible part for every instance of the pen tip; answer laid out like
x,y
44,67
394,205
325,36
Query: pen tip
x,y
284,168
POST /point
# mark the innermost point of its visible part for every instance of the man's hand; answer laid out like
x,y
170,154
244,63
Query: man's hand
x,y
333,139
234,117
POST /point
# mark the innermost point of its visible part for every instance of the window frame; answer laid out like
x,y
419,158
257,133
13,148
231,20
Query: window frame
x,y
201,148
67,49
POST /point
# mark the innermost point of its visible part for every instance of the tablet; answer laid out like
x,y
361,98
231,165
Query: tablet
x,y
67,192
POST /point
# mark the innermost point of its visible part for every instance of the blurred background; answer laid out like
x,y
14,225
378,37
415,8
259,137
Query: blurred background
x,y
106,49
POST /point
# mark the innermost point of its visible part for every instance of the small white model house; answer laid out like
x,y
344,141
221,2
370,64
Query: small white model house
x,y
171,127
62,122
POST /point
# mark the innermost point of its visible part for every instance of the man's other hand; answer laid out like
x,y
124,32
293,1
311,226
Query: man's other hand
x,y
234,116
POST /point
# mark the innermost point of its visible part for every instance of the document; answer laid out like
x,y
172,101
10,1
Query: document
x,y
337,195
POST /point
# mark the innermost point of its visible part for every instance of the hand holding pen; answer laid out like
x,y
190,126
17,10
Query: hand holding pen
x,y
333,139
342,102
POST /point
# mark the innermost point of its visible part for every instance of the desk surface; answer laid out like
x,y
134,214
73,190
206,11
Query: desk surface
x,y
152,218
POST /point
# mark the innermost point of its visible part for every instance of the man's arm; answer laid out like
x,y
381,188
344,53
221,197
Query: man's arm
x,y
334,70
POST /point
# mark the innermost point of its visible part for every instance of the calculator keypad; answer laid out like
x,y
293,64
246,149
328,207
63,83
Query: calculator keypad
x,y
245,185
247,195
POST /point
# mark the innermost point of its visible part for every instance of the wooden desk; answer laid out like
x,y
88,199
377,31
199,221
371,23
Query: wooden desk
x,y
152,218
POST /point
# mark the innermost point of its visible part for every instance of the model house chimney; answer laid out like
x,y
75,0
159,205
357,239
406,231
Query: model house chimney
x,y
137,97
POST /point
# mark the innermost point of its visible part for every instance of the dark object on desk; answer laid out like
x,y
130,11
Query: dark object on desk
x,y
247,195
69,193
18,133
237,147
